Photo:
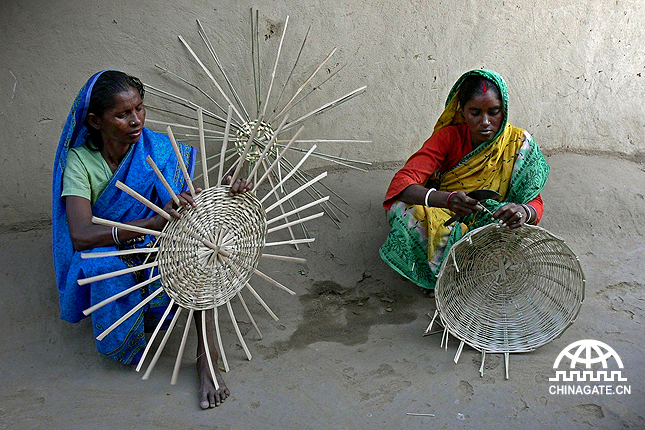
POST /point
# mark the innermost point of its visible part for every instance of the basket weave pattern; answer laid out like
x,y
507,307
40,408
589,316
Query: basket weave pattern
x,y
503,291
192,273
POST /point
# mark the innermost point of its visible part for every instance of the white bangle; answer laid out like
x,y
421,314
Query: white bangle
x,y
115,235
431,190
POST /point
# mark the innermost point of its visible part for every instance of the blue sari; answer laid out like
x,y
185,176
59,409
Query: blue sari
x,y
126,343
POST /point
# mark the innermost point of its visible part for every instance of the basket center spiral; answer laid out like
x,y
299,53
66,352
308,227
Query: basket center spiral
x,y
208,255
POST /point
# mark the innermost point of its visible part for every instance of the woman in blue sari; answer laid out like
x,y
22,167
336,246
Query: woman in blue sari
x,y
104,141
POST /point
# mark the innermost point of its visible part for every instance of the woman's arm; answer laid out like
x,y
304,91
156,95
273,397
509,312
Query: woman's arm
x,y
457,202
86,235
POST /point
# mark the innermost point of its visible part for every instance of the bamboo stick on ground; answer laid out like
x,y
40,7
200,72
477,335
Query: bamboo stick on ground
x,y
161,346
182,346
289,242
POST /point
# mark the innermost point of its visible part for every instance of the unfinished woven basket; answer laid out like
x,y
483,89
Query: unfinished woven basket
x,y
504,290
191,273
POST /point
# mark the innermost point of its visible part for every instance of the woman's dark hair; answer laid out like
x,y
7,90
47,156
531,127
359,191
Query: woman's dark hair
x,y
473,86
110,83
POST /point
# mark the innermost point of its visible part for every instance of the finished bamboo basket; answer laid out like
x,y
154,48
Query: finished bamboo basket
x,y
504,290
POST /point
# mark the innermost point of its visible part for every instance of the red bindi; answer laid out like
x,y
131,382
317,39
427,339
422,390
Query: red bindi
x,y
484,86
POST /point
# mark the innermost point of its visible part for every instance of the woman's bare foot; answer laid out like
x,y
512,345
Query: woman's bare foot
x,y
209,397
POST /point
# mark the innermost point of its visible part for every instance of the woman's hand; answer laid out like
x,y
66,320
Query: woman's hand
x,y
512,215
240,186
461,204
185,200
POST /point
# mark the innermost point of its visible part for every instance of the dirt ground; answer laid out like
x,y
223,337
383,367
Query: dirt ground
x,y
348,350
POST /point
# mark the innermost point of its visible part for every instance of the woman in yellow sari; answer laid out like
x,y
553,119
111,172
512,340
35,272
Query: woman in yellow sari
x,y
472,148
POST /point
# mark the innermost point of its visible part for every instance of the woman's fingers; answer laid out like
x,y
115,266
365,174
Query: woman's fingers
x,y
511,215
462,204
240,186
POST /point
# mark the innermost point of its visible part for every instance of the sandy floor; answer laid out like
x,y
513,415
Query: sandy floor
x,y
347,352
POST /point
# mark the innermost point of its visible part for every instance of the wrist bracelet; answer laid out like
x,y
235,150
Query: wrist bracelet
x,y
115,235
529,213
448,199
431,190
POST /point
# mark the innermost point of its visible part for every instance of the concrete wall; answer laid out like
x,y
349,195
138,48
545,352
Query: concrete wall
x,y
574,69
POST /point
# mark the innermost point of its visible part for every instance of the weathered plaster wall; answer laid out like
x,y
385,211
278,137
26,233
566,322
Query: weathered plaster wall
x,y
574,69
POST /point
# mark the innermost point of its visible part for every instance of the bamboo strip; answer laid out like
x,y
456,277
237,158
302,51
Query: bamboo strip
x,y
295,63
182,346
300,209
86,255
207,350
255,294
248,313
202,145
162,345
296,191
284,258
130,227
123,187
273,281
180,160
219,339
131,312
121,294
290,174
296,222
267,147
208,44
277,160
275,66
154,333
109,275
185,102
227,128
299,90
208,73
290,242
194,86
163,180
178,125
240,163
277,197
237,330
326,106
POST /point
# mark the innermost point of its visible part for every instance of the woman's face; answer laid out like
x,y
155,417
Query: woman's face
x,y
123,123
484,115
